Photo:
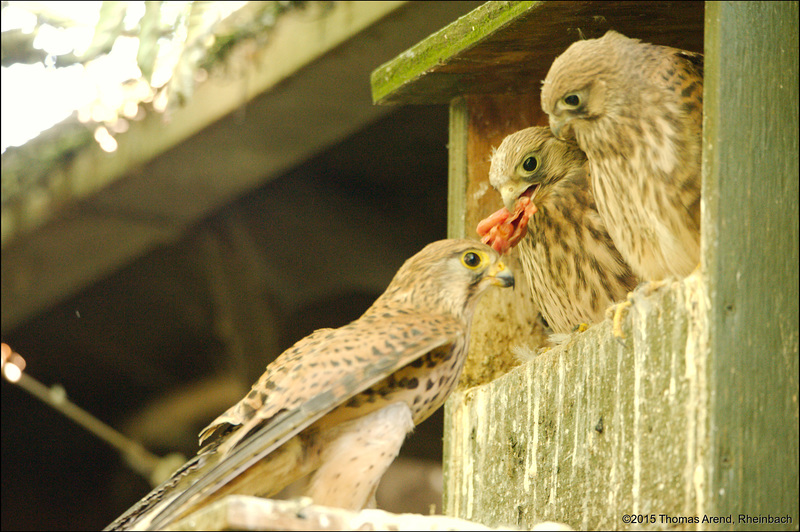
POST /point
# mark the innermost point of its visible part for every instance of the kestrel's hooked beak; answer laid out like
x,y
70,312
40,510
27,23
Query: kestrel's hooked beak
x,y
511,192
560,127
500,275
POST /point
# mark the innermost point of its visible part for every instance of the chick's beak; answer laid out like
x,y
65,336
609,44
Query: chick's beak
x,y
500,275
509,195
557,127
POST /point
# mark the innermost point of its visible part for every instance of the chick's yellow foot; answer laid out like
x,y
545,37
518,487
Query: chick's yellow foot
x,y
619,310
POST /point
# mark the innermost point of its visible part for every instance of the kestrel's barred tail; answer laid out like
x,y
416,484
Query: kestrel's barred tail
x,y
574,271
636,110
339,403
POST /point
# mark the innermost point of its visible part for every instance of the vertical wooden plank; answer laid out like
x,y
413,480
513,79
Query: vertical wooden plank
x,y
750,241
457,170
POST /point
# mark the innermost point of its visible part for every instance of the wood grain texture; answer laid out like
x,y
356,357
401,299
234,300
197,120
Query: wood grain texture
x,y
590,430
750,255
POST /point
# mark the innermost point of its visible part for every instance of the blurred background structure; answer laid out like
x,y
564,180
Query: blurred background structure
x,y
220,196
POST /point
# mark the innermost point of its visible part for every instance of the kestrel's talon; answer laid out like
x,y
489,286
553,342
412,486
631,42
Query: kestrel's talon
x,y
619,311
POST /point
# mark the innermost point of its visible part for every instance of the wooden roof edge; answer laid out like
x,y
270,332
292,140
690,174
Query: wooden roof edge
x,y
507,47
445,44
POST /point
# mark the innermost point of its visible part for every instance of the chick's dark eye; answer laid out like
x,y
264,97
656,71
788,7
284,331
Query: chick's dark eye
x,y
530,164
573,100
471,259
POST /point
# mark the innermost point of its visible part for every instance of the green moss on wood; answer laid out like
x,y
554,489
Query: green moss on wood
x,y
451,40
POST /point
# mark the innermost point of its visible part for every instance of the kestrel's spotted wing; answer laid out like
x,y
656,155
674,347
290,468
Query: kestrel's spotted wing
x,y
574,271
636,110
351,392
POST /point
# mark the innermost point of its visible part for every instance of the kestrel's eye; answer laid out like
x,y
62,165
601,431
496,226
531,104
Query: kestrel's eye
x,y
530,164
572,100
471,260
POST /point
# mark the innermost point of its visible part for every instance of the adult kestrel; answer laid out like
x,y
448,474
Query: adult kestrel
x,y
339,403
573,269
636,110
